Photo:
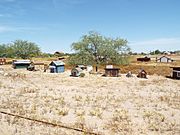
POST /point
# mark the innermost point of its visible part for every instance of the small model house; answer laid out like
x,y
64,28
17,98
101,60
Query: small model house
x,y
142,74
75,72
57,67
18,64
176,72
110,71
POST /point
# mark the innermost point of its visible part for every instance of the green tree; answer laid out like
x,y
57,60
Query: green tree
x,y
155,52
97,49
58,54
3,50
24,49
46,55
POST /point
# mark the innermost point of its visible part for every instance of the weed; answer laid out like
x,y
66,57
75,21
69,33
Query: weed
x,y
82,74
120,122
63,111
80,113
96,112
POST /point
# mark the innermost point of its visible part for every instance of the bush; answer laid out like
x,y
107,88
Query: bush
x,y
82,74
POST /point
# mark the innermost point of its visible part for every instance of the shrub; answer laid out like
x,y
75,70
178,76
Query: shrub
x,y
82,74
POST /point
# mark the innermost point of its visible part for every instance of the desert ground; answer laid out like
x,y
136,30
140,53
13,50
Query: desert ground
x,y
95,104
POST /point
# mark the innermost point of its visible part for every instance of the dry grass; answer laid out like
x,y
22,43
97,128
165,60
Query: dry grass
x,y
120,122
93,103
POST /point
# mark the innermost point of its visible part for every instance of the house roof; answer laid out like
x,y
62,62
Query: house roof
x,y
77,69
142,70
22,62
175,67
57,63
164,57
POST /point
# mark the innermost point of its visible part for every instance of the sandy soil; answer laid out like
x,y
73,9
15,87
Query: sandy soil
x,y
104,105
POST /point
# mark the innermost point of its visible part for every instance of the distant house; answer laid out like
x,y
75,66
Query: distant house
x,y
75,72
145,59
176,72
164,59
110,71
2,61
57,67
18,64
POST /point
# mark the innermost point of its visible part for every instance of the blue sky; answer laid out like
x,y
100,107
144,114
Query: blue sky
x,y
55,24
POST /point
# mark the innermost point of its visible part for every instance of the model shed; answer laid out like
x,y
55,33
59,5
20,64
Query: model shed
x,y
57,67
145,59
18,64
142,74
176,72
75,72
110,71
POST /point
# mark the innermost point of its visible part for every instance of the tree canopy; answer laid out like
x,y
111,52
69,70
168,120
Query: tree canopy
x,y
3,50
97,49
156,52
19,49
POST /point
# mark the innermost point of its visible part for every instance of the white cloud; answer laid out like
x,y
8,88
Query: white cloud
x,y
161,43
